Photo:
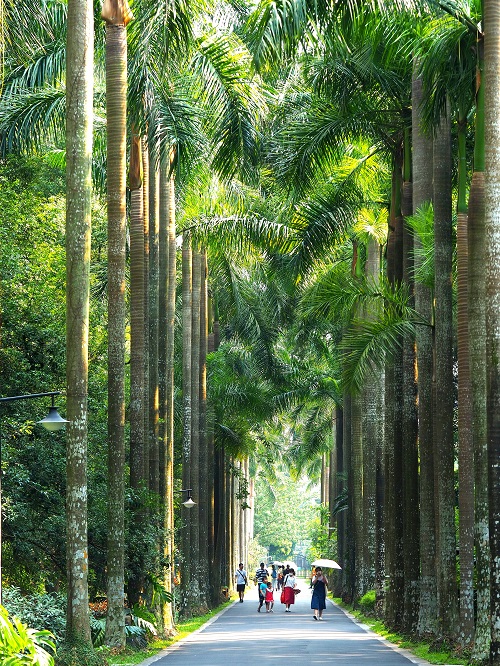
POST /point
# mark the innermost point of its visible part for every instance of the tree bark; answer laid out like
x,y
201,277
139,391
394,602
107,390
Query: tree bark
x,y
116,108
492,208
422,193
79,115
443,407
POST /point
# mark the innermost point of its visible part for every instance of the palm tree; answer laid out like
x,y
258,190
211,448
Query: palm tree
x,y
79,72
422,193
116,15
492,207
186,578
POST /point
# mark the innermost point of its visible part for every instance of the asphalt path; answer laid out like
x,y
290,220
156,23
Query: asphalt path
x,y
241,636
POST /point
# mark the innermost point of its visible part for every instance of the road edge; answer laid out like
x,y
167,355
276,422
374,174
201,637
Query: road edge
x,y
177,644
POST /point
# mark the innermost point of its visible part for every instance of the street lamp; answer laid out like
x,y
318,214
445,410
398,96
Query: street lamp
x,y
52,422
189,503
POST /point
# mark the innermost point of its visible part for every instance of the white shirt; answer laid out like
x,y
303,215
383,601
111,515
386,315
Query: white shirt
x,y
241,575
290,581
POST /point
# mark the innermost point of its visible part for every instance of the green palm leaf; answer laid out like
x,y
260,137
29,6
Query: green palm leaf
x,y
28,119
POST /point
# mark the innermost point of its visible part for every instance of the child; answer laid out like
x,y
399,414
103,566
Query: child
x,y
269,598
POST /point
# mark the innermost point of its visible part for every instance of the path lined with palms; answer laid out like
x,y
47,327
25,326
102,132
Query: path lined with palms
x,y
244,637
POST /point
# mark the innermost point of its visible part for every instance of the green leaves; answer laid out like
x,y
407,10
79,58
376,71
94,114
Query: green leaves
x,y
21,646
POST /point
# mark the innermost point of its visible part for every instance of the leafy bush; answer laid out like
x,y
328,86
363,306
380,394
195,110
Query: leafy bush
x,y
367,603
42,611
136,634
20,646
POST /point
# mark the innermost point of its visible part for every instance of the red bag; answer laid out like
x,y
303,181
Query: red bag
x,y
282,597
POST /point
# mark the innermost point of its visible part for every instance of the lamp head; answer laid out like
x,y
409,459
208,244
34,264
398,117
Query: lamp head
x,y
189,503
53,421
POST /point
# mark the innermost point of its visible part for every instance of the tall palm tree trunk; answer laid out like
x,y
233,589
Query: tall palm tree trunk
x,y
465,438
145,190
154,269
194,522
422,193
492,207
341,485
186,600
348,581
79,113
476,232
394,563
116,15
410,425
168,513
373,420
137,386
206,482
443,407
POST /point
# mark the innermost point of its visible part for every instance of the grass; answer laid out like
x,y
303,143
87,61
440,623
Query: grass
x,y
130,656
421,649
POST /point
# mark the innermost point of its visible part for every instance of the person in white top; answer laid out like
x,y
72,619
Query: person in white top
x,y
289,585
240,578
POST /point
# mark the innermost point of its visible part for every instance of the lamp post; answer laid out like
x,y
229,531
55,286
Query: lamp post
x,y
189,503
52,422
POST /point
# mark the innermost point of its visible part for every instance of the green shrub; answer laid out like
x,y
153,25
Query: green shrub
x,y
367,603
42,611
20,646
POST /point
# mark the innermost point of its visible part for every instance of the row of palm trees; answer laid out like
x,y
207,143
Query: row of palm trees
x,y
359,109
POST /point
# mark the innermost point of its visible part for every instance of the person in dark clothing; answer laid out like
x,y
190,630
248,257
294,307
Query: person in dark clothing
x,y
260,576
319,583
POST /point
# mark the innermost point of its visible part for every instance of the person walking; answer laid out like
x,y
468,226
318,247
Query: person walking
x,y
269,598
280,578
289,585
241,580
274,577
262,593
319,584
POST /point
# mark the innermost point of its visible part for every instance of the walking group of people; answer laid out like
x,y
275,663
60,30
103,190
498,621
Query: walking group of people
x,y
285,580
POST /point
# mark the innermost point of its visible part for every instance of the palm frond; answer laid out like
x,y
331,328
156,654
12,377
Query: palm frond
x,y
234,101
28,119
368,343
422,224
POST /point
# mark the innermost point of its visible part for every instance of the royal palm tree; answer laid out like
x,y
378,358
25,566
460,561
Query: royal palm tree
x,y
116,15
492,207
79,113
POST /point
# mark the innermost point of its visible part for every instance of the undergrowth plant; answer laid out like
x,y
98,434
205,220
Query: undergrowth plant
x,y
21,646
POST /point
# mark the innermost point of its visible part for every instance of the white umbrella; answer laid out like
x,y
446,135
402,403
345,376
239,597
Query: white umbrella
x,y
329,564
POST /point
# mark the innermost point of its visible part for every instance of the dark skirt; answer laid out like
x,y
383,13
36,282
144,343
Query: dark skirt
x,y
318,601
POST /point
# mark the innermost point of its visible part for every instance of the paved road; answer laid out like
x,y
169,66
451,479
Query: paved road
x,y
240,636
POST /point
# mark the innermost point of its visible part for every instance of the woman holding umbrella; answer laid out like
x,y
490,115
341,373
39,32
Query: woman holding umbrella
x,y
319,584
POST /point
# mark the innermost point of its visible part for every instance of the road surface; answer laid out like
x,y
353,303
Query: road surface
x,y
240,636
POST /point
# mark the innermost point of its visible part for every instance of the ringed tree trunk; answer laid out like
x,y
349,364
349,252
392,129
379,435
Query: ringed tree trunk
x,y
187,289
465,439
138,482
168,515
476,231
422,192
154,231
411,525
443,413
393,518
145,190
373,431
194,522
206,483
116,15
492,208
79,114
